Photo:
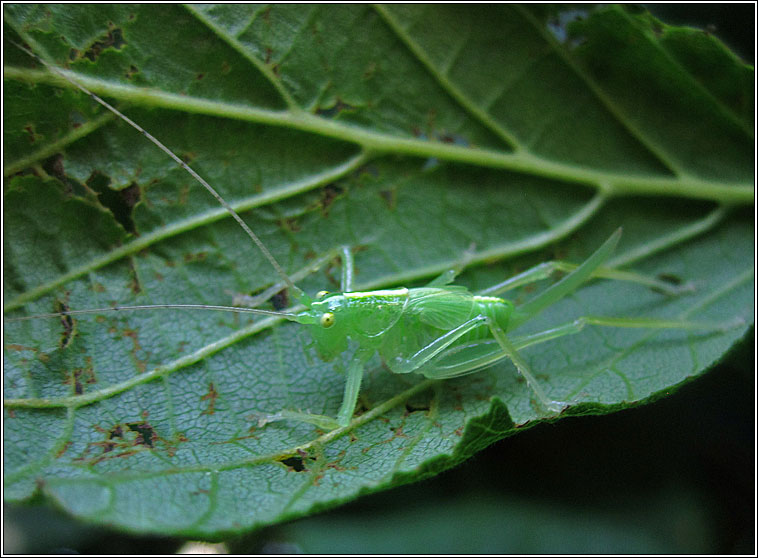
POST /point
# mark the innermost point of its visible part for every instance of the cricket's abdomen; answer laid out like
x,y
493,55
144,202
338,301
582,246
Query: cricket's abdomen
x,y
433,313
499,310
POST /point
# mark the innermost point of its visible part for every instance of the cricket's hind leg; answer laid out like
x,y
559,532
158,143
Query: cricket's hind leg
x,y
546,270
577,325
511,348
465,359
446,358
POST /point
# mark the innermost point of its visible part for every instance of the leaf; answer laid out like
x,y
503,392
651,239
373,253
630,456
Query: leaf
x,y
409,132
517,526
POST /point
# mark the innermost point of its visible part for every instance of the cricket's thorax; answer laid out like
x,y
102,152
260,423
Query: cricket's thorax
x,y
376,299
359,316
358,307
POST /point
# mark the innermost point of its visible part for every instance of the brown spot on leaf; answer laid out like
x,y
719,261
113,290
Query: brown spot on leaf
x,y
132,334
68,323
125,439
290,224
431,119
17,347
370,70
329,194
211,397
390,197
30,131
134,284
195,257
81,376
63,449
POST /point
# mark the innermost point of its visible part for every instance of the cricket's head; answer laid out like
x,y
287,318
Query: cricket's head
x,y
328,322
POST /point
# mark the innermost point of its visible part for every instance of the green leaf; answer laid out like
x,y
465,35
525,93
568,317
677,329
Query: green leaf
x,y
516,526
409,132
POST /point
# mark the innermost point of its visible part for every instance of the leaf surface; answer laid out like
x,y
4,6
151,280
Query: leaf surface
x,y
418,135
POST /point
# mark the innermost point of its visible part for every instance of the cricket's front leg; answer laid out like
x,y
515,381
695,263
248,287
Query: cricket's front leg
x,y
348,269
349,400
352,387
253,301
321,421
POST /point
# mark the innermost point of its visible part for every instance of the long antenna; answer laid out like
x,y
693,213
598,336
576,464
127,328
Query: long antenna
x,y
298,293
287,315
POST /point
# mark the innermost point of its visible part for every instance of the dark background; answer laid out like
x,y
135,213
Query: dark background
x,y
675,476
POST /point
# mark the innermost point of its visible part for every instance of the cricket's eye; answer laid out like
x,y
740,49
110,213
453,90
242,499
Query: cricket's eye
x,y
327,319
322,294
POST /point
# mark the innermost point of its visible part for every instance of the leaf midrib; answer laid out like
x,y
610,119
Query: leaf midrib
x,y
378,143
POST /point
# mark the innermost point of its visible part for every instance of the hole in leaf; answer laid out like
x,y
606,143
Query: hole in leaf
x,y
411,407
119,202
280,300
296,463
114,38
670,278
146,436
334,110
54,167
131,72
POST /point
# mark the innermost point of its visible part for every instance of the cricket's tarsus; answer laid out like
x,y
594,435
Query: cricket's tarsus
x,y
440,331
